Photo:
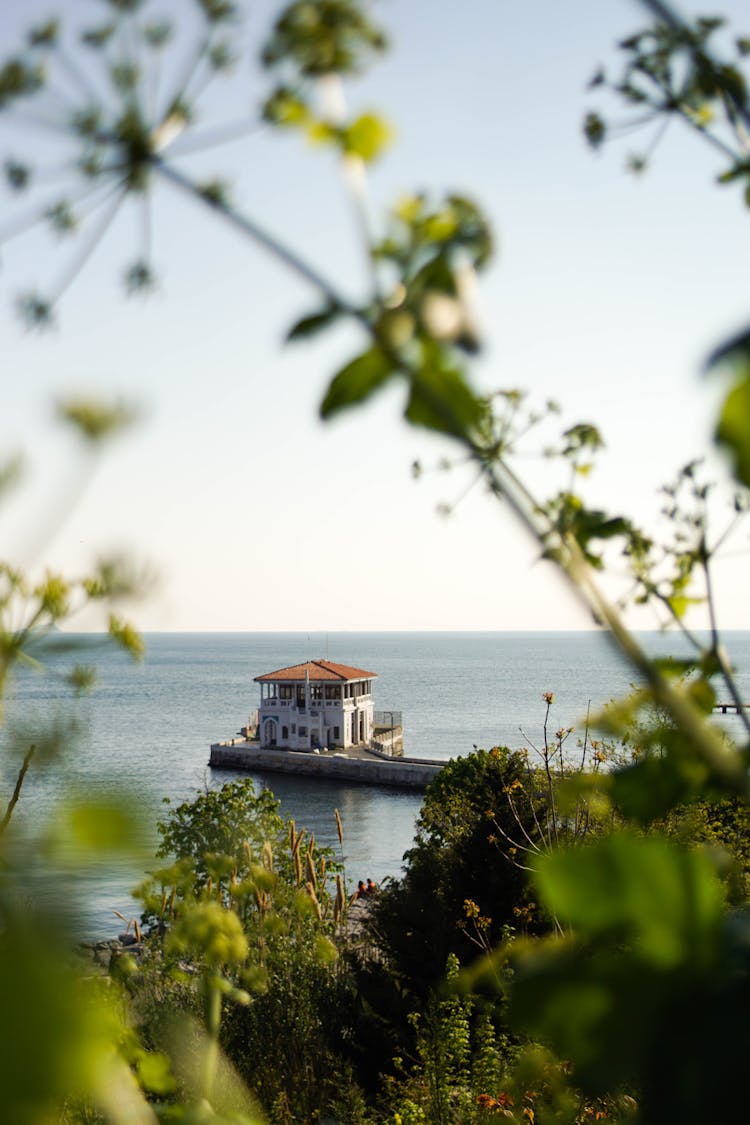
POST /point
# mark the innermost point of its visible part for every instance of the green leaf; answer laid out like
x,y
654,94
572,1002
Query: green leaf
x,y
733,428
702,695
680,604
733,83
442,400
666,901
155,1074
357,381
310,325
104,825
736,349
654,786
673,668
652,991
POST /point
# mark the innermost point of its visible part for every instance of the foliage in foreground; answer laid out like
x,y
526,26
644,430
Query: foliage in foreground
x,y
658,952
241,877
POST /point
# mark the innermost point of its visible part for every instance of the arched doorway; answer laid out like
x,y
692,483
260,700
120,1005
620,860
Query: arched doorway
x,y
269,732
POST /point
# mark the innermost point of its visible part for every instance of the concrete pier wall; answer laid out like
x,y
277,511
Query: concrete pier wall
x,y
366,767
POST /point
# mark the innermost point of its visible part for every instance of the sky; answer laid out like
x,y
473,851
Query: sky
x,y
606,293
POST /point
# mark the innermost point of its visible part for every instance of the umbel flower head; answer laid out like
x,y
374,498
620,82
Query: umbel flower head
x,y
120,102
110,100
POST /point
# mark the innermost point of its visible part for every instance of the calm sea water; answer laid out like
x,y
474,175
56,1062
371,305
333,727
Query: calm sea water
x,y
147,728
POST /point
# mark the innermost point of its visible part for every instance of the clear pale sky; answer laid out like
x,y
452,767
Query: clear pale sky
x,y
607,293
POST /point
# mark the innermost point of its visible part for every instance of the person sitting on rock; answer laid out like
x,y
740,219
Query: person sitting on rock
x,y
371,887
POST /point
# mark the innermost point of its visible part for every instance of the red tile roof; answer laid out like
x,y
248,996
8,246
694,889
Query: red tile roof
x,y
317,670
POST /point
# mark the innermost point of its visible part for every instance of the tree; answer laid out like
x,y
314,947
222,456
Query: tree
x,y
241,876
460,889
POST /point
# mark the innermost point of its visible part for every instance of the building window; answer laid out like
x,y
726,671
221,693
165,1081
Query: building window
x,y
336,733
294,728
285,732
316,691
333,691
285,691
303,731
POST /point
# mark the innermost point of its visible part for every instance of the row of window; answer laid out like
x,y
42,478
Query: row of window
x,y
303,732
332,691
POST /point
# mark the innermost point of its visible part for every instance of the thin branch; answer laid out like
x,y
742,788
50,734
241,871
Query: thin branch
x,y
182,83
220,135
586,735
667,15
95,237
25,117
78,76
18,786
257,234
36,214
726,764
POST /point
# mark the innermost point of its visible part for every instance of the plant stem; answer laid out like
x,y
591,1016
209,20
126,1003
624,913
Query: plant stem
x,y
213,1022
726,765
18,786
258,234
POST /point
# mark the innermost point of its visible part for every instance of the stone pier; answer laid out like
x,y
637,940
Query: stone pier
x,y
357,764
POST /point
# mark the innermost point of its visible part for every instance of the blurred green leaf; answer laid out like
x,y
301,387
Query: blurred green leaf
x,y
155,1073
101,825
59,1033
649,789
663,900
310,325
442,400
733,428
702,695
653,989
357,381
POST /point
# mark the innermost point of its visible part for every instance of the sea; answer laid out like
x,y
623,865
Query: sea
x,y
145,731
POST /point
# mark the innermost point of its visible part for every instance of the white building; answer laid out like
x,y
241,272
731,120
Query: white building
x,y
316,704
